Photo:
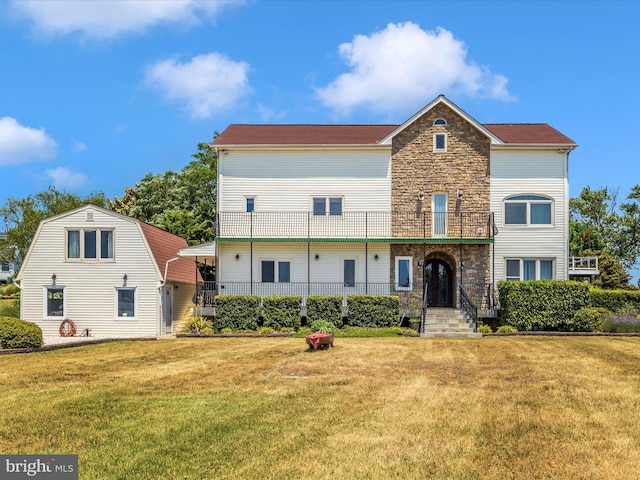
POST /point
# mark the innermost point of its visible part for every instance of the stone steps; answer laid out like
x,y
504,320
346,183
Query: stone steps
x,y
447,322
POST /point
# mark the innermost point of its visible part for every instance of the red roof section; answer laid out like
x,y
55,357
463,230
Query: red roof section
x,y
165,246
528,133
245,134
238,134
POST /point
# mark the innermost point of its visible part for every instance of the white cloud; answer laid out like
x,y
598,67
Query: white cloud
x,y
20,144
121,128
403,65
205,83
65,179
79,147
107,18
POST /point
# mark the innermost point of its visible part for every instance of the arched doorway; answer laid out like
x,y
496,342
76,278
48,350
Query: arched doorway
x,y
438,278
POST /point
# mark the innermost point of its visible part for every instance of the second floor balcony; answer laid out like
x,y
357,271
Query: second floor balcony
x,y
356,226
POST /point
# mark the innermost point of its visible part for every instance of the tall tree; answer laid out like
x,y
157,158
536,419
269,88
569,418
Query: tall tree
x,y
182,202
22,216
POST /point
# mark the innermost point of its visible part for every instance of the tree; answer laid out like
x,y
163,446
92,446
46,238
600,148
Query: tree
x,y
612,274
598,224
182,202
21,218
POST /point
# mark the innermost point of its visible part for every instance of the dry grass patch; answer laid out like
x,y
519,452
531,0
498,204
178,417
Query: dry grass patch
x,y
497,407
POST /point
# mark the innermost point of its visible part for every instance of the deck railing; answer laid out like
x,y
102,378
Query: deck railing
x,y
355,225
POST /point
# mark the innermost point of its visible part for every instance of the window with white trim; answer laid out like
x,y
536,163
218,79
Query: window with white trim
x,y
439,142
404,273
349,272
126,302
330,205
439,208
528,210
250,204
271,274
54,302
529,269
93,244
439,121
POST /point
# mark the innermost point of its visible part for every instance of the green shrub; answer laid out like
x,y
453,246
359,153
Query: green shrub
x,y
543,304
323,326
324,307
280,312
484,329
373,310
16,333
10,308
397,330
237,312
507,329
265,330
614,299
587,319
9,290
302,332
198,325
287,330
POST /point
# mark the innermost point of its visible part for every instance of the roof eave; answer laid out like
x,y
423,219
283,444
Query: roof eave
x,y
545,146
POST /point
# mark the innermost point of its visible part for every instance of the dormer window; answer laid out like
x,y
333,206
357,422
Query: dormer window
x,y
439,121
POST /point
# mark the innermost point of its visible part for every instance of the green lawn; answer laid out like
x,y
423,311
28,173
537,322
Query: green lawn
x,y
371,408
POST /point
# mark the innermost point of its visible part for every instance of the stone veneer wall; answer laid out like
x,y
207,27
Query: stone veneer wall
x,y
416,168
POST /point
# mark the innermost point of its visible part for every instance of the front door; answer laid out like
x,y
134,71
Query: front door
x,y
439,281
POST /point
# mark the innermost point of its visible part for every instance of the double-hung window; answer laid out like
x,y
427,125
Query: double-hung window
x,y
439,142
528,210
273,271
330,205
529,269
93,244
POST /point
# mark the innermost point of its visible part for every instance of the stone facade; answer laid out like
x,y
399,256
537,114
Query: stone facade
x,y
461,172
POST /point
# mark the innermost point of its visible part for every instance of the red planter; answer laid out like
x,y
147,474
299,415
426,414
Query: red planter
x,y
320,340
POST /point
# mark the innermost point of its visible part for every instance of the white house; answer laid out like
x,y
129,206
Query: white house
x,y
108,273
440,204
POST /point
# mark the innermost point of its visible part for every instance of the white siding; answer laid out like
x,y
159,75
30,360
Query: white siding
x,y
541,172
90,293
287,180
327,269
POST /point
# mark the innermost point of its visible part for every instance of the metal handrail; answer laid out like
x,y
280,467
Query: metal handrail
x,y
469,308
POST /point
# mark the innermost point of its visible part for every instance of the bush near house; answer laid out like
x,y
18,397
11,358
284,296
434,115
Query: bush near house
x,y
614,299
280,312
325,307
237,312
16,333
373,310
542,305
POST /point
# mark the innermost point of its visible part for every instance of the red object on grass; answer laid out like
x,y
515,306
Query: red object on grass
x,y
319,340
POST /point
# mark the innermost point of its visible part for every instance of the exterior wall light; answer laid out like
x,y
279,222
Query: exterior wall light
x,y
53,279
124,280
237,257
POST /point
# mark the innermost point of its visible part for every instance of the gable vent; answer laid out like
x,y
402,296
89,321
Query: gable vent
x,y
89,216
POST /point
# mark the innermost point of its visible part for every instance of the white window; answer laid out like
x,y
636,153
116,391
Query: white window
x,y
90,244
126,302
439,209
324,205
404,273
528,210
54,302
529,269
349,272
270,274
250,204
439,142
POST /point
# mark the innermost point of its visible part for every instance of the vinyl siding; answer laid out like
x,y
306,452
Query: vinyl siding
x,y
287,181
542,172
90,294
304,267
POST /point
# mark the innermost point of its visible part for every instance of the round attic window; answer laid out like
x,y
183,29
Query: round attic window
x,y
439,121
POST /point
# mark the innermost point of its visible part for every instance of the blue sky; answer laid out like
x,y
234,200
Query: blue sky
x,y
94,95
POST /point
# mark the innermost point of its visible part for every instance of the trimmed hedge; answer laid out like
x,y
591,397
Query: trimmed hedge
x,y
281,311
542,305
325,307
373,311
16,333
614,299
237,312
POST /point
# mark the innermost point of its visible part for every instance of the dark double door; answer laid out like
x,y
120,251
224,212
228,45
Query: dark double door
x,y
439,280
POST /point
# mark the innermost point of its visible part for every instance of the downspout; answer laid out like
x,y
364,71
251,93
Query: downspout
x,y
164,281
